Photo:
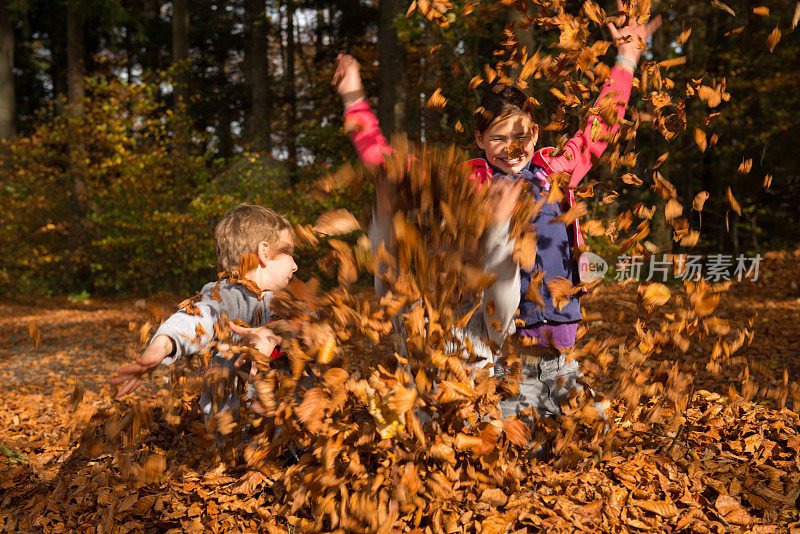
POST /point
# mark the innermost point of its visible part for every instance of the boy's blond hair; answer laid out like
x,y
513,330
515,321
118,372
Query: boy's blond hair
x,y
240,231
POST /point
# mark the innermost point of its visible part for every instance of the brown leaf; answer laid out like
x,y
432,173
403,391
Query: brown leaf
x,y
700,139
336,222
525,251
662,508
699,199
774,37
33,331
436,100
673,209
516,431
723,7
631,179
494,496
609,198
745,166
762,11
656,294
796,16
732,201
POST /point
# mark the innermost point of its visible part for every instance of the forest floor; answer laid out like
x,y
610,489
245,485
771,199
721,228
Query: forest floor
x,y
46,486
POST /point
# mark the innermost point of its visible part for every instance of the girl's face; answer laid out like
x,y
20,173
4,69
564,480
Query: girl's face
x,y
509,143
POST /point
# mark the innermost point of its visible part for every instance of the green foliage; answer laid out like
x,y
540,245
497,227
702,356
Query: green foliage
x,y
114,203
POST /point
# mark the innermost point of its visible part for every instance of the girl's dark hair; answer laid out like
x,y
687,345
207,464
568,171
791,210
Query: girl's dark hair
x,y
499,101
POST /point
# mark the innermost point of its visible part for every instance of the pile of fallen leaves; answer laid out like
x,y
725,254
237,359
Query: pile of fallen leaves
x,y
351,435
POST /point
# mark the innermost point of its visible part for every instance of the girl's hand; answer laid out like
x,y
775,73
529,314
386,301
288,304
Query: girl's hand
x,y
347,80
503,197
630,39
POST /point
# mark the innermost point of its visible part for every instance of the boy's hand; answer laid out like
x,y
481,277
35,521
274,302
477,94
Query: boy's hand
x,y
260,338
503,196
630,39
135,373
347,80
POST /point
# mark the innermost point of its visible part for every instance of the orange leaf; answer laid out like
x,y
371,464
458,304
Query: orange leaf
x,y
732,201
773,39
699,199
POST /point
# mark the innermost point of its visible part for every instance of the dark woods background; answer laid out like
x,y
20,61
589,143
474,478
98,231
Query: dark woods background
x,y
130,126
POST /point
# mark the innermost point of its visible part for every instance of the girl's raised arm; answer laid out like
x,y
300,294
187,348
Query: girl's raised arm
x,y
579,151
359,120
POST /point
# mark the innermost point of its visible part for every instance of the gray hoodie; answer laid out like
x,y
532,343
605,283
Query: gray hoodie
x,y
234,300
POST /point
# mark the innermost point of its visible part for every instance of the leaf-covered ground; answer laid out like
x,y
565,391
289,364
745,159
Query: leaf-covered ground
x,y
733,466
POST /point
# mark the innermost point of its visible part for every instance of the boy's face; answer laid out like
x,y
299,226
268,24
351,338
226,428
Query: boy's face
x,y
509,143
279,265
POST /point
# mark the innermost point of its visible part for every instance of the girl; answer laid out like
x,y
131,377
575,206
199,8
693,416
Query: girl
x,y
507,135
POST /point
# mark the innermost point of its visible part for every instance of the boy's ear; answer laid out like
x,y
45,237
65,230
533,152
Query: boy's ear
x,y
263,253
479,140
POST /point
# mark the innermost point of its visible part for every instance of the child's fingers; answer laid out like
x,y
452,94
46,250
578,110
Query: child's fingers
x,y
653,25
615,35
240,330
129,387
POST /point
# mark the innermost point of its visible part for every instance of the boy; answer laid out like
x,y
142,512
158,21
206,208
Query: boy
x,y
254,243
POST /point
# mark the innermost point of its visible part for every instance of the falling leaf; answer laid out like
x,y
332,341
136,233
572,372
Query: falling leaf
x,y
762,11
767,181
436,100
734,31
773,38
684,36
723,7
732,200
699,199
609,198
656,294
796,16
36,335
336,222
673,209
700,139
745,166
631,179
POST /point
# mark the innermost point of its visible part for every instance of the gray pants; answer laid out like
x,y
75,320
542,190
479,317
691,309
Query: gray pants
x,y
543,387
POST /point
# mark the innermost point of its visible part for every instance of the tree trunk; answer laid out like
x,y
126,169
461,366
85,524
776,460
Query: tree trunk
x,y
392,76
258,123
78,240
75,65
180,48
413,120
290,94
7,98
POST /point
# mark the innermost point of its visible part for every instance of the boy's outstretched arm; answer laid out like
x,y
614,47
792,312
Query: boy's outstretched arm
x,y
579,151
133,374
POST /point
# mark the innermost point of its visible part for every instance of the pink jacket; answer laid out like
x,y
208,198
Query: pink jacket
x,y
576,159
